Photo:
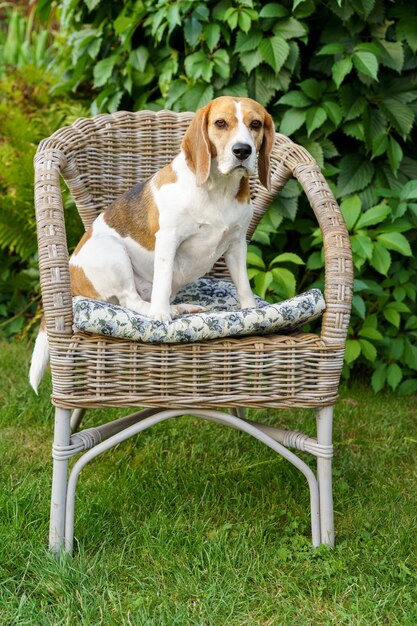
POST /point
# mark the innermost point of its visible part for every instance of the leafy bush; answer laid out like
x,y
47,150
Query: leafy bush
x,y
23,43
339,77
27,114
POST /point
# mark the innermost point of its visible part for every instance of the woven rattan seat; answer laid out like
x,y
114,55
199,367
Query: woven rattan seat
x,y
99,159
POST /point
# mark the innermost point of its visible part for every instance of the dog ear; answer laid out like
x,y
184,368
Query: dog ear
x,y
196,145
264,169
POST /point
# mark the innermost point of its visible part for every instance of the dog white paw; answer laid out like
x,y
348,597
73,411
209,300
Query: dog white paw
x,y
161,315
186,309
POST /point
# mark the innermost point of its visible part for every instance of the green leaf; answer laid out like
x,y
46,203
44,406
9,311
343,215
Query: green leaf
x,y
202,12
290,28
381,259
368,350
246,42
355,129
331,48
334,112
92,4
250,60
352,351
138,58
255,260
315,261
197,65
399,114
262,282
411,323
396,347
291,121
341,69
358,306
231,17
395,241
366,62
288,257
391,54
245,21
212,35
273,9
355,174
379,145
393,317
370,333
295,99
103,70
366,6
374,215
265,85
394,375
362,246
378,378
313,88
315,117
222,63
408,387
407,29
410,355
395,154
353,105
274,51
286,279
122,23
399,293
351,209
198,96
409,190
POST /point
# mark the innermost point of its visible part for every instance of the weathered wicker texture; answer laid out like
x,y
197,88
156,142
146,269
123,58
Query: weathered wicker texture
x,y
100,158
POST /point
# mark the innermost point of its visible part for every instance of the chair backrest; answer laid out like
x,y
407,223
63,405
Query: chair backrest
x,y
107,154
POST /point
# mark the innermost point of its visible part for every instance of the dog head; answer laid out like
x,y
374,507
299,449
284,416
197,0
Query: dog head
x,y
232,131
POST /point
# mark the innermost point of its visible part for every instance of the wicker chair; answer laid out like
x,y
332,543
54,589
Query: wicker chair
x,y
99,158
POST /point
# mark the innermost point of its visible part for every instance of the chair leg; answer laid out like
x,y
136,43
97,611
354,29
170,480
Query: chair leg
x,y
76,418
62,433
324,417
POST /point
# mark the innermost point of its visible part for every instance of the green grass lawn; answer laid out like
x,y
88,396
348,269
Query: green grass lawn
x,y
194,523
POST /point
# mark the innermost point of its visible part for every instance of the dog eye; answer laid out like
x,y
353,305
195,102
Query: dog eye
x,y
220,124
256,124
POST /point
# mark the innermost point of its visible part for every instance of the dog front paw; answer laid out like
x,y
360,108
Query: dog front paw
x,y
186,309
159,314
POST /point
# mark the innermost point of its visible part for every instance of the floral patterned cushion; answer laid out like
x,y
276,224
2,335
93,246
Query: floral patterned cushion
x,y
223,318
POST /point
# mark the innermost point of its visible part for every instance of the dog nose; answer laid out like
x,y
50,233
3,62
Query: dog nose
x,y
241,150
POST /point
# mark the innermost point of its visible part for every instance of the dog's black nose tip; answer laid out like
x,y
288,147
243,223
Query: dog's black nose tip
x,y
241,150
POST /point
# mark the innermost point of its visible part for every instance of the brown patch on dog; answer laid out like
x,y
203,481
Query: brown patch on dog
x,y
83,240
165,176
81,285
196,145
243,194
136,215
264,138
222,108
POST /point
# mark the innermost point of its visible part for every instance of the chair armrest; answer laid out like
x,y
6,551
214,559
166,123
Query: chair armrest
x,y
52,243
291,158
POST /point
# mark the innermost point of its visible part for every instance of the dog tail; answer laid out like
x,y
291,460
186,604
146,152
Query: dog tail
x,y
40,357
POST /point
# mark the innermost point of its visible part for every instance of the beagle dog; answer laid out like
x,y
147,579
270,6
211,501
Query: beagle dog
x,y
171,229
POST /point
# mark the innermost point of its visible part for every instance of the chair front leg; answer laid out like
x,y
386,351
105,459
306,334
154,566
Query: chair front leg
x,y
62,434
324,418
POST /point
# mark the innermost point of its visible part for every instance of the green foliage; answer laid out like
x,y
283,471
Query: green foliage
x,y
338,77
27,114
24,43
